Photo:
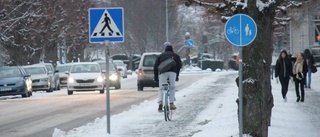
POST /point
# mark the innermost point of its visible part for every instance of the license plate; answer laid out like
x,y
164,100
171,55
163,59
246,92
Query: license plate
x,y
84,85
5,89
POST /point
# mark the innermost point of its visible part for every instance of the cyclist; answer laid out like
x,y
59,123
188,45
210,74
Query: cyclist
x,y
172,74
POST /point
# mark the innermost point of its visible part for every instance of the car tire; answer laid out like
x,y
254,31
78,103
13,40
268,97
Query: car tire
x,y
102,91
25,95
118,86
140,87
70,92
125,76
50,90
59,87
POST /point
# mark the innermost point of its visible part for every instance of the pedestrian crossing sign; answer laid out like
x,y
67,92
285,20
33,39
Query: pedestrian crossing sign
x,y
106,24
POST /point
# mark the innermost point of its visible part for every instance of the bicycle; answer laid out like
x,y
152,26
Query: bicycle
x,y
232,30
166,102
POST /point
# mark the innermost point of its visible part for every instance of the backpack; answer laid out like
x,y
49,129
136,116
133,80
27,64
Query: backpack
x,y
166,65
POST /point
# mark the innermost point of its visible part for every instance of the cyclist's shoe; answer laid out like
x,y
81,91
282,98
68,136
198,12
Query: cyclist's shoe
x,y
160,107
172,106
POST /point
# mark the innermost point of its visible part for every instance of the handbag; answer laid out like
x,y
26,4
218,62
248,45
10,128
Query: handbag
x,y
314,69
166,65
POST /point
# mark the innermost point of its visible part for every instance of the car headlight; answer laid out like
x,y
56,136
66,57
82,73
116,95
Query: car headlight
x,y
44,79
100,79
71,80
20,83
113,77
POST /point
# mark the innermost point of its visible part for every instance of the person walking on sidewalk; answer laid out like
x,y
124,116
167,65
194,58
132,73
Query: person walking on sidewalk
x,y
300,70
310,62
171,74
283,70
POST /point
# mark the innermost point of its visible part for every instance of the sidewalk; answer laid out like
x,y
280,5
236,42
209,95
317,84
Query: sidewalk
x,y
208,109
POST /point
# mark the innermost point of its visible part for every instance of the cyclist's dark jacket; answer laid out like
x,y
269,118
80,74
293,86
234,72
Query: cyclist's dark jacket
x,y
163,56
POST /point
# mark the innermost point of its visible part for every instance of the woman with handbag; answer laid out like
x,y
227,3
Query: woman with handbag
x,y
310,63
300,70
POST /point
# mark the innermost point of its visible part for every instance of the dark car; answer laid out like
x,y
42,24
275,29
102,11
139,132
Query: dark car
x,y
15,81
114,74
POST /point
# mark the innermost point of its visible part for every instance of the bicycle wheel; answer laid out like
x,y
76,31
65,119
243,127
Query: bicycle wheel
x,y
166,118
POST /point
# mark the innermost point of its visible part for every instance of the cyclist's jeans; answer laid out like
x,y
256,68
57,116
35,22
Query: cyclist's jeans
x,y
163,79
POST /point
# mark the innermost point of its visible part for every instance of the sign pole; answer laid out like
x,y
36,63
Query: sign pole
x,y
240,95
240,30
107,86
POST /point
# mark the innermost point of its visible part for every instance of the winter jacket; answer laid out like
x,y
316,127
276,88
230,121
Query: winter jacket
x,y
283,68
163,56
303,74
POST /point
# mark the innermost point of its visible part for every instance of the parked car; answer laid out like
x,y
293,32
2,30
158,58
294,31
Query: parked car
x,y
41,77
114,74
121,67
62,68
85,76
146,71
15,81
55,76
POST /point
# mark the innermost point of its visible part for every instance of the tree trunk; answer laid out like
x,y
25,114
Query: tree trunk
x,y
257,95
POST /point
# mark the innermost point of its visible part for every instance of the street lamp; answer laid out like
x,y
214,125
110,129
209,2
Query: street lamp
x,y
187,37
167,24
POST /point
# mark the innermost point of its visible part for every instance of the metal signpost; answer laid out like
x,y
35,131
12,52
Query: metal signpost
x,y
106,26
240,30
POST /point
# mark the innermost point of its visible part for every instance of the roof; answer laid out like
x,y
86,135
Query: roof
x,y
151,53
80,63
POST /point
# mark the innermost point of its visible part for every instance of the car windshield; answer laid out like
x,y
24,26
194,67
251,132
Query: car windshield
x,y
103,66
85,68
149,60
35,70
49,68
9,72
63,68
118,63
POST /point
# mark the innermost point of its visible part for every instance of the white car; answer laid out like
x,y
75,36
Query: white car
x,y
85,76
121,67
62,68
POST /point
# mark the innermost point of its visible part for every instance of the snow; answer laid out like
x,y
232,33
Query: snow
x,y
218,119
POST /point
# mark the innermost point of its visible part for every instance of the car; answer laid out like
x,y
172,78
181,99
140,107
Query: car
x,y
146,71
122,57
55,76
85,76
15,81
40,76
62,68
121,67
114,73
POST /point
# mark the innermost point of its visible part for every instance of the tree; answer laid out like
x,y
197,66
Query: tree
x,y
257,98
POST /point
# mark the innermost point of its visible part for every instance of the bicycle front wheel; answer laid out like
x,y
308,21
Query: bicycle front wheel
x,y
167,113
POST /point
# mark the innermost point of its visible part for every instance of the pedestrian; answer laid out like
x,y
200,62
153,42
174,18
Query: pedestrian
x,y
283,70
171,74
310,62
300,70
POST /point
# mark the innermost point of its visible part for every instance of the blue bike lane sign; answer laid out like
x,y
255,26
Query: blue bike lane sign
x,y
240,30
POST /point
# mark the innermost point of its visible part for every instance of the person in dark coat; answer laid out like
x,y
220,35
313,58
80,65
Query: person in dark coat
x,y
300,70
283,70
310,62
172,74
